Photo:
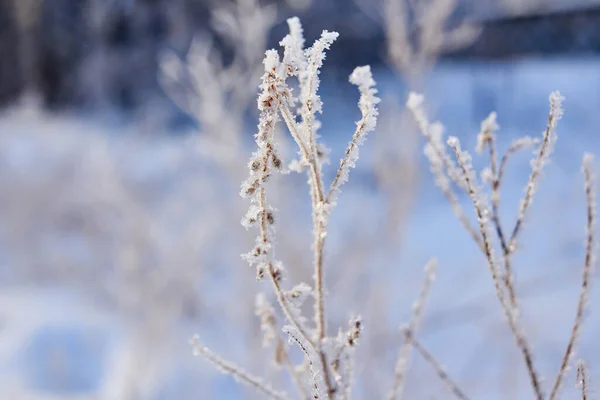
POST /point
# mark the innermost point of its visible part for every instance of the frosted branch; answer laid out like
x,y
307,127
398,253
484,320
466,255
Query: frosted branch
x,y
410,331
318,386
482,211
229,368
363,78
538,163
590,252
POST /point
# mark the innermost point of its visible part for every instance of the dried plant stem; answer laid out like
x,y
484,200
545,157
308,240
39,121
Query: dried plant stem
x,y
585,280
237,372
347,161
310,355
294,374
439,370
410,332
292,126
319,298
440,164
544,151
309,107
317,196
319,242
281,299
482,217
451,196
582,379
508,273
462,218
343,165
515,147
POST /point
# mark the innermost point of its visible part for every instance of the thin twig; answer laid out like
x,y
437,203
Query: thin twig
x,y
516,146
281,299
310,355
410,332
292,126
587,268
482,216
294,374
268,326
546,148
363,79
582,380
317,196
439,370
462,217
487,137
441,166
234,370
309,153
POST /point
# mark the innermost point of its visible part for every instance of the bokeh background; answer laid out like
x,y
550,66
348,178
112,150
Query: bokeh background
x,y
125,129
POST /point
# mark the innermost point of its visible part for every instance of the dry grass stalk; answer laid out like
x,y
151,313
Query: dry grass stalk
x,y
442,167
542,157
320,389
341,365
409,333
268,324
439,370
234,370
582,380
483,212
587,270
487,138
497,173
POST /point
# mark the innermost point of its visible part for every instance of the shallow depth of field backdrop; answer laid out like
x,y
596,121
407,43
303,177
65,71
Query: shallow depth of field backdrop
x,y
120,212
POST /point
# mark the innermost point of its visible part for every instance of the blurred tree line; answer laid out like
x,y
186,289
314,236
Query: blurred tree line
x,y
79,52
89,53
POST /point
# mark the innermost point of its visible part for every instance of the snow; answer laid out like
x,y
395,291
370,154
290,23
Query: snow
x,y
35,145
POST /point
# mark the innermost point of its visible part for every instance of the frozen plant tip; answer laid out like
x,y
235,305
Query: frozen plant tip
x,y
441,165
363,79
487,133
537,164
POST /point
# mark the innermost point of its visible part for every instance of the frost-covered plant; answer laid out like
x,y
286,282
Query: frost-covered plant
x,y
328,358
461,175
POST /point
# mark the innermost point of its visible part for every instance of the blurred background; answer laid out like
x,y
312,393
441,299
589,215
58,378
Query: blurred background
x,y
125,128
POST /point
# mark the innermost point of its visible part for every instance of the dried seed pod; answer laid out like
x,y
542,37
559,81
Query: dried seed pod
x,y
270,218
276,162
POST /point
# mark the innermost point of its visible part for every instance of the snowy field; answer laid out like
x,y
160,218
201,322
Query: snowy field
x,y
115,248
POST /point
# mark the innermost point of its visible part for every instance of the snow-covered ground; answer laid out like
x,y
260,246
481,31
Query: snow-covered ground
x,y
69,334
